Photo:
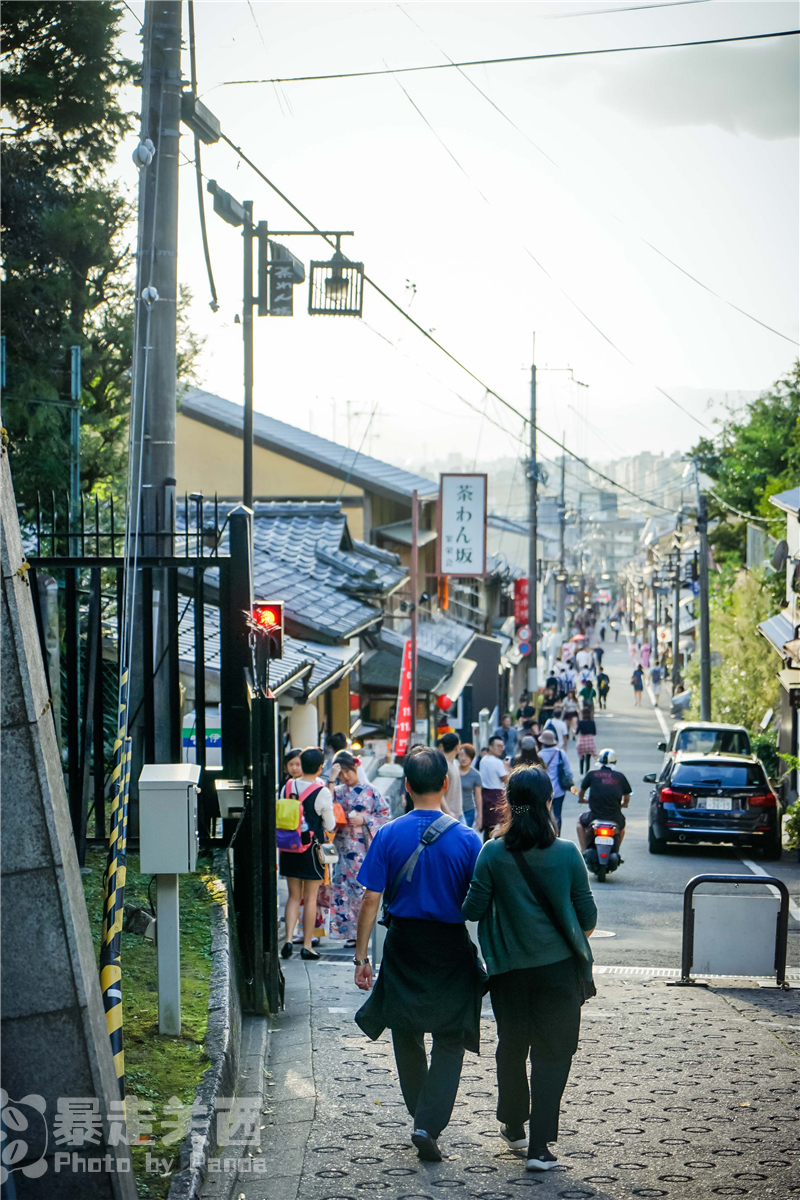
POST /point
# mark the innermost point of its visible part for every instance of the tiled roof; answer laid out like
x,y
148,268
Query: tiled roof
x,y
301,446
440,639
303,555
296,653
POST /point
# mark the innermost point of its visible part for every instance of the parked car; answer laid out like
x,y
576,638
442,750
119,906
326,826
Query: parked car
x,y
705,737
722,798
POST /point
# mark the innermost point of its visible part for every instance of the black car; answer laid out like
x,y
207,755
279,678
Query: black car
x,y
714,798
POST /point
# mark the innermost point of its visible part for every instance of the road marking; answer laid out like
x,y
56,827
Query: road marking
x,y
794,908
603,933
662,720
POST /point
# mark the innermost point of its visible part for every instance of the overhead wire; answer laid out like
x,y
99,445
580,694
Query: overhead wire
x,y
738,511
559,167
595,12
544,270
517,58
425,332
198,169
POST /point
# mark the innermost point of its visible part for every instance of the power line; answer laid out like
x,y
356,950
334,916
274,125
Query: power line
x,y
426,333
559,167
628,8
544,270
198,170
518,58
738,511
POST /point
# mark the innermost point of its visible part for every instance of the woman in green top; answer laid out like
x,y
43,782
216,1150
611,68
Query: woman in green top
x,y
535,954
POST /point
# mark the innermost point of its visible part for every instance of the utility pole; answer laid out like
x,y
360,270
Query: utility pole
x,y
562,583
705,631
676,611
247,337
533,565
414,581
154,355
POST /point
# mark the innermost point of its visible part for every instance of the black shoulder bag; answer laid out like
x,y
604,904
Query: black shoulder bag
x,y
586,988
441,825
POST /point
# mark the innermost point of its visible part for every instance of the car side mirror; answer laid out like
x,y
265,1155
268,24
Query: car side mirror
x,y
661,745
650,778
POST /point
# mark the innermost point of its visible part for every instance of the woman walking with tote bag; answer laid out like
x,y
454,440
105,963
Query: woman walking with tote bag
x,y
530,892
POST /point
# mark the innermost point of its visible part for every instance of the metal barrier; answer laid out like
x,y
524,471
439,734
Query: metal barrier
x,y
688,936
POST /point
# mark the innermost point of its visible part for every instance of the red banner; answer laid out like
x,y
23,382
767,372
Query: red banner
x,y
520,602
402,728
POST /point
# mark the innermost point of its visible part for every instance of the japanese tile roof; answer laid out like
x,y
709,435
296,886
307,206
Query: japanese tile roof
x,y
304,555
296,653
309,448
440,639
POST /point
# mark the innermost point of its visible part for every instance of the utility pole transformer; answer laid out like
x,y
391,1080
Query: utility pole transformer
x,y
155,321
533,572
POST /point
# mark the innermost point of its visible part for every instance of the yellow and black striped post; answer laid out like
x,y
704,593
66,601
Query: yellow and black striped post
x,y
114,890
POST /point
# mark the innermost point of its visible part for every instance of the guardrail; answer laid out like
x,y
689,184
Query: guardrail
x,y
687,941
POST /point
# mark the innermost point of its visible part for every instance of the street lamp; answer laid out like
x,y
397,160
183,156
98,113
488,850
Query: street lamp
x,y
335,288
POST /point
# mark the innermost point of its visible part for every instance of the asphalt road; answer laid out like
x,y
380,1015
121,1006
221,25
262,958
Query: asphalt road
x,y
641,902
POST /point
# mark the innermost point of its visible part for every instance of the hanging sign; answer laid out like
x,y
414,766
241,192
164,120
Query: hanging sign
x,y
521,610
461,546
402,726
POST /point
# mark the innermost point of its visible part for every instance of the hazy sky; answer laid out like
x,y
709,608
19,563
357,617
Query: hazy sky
x,y
694,150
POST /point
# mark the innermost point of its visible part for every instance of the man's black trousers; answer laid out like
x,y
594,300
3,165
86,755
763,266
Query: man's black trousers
x,y
429,1092
538,1014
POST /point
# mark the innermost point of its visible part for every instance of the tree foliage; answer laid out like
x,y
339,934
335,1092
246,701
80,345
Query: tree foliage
x,y
66,255
754,456
745,685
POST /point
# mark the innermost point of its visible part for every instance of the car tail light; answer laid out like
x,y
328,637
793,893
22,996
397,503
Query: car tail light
x,y
670,796
764,800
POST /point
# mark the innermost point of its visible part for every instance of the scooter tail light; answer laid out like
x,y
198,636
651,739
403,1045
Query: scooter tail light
x,y
601,832
765,800
670,796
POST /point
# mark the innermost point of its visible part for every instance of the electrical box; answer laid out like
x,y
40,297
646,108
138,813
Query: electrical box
x,y
168,818
230,796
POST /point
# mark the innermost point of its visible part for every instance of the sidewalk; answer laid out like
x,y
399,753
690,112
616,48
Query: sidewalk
x,y
675,1092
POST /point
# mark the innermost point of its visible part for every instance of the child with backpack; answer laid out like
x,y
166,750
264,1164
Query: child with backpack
x,y
304,813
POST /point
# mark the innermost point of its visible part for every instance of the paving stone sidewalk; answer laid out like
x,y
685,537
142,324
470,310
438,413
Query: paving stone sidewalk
x,y
675,1092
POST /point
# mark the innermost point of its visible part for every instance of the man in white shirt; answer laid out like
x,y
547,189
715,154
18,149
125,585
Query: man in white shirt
x,y
559,727
449,745
494,774
583,658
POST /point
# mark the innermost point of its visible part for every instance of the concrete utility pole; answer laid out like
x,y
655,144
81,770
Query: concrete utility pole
x,y
154,355
247,336
676,611
533,572
705,632
562,583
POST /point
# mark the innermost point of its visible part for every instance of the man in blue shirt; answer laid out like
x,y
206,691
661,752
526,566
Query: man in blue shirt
x,y
430,980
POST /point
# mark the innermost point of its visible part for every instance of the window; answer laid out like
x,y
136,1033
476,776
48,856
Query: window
x,y
713,741
727,775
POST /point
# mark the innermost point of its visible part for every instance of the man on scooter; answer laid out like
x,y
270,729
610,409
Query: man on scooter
x,y
609,792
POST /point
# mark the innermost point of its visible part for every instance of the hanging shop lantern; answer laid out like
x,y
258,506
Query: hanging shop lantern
x,y
444,703
336,288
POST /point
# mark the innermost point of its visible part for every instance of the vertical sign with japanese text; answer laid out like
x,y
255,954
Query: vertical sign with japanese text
x,y
462,525
281,297
520,602
402,727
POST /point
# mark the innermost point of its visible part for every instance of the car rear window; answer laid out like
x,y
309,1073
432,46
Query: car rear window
x,y
718,775
710,741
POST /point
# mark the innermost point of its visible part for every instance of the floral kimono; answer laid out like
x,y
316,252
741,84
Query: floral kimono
x,y
342,896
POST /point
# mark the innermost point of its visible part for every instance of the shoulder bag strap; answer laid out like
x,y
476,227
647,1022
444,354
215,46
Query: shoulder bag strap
x,y
432,834
540,895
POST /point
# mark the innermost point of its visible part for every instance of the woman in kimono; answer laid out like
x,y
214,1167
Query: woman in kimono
x,y
365,810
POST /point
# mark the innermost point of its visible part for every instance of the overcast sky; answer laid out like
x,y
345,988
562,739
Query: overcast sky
x,y
694,150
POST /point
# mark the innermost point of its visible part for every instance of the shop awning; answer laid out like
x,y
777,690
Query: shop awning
x,y
778,631
400,531
460,676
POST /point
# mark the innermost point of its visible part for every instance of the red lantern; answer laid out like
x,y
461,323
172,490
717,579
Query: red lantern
x,y
444,703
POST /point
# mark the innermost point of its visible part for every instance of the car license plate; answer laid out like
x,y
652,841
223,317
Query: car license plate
x,y
720,803
606,840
